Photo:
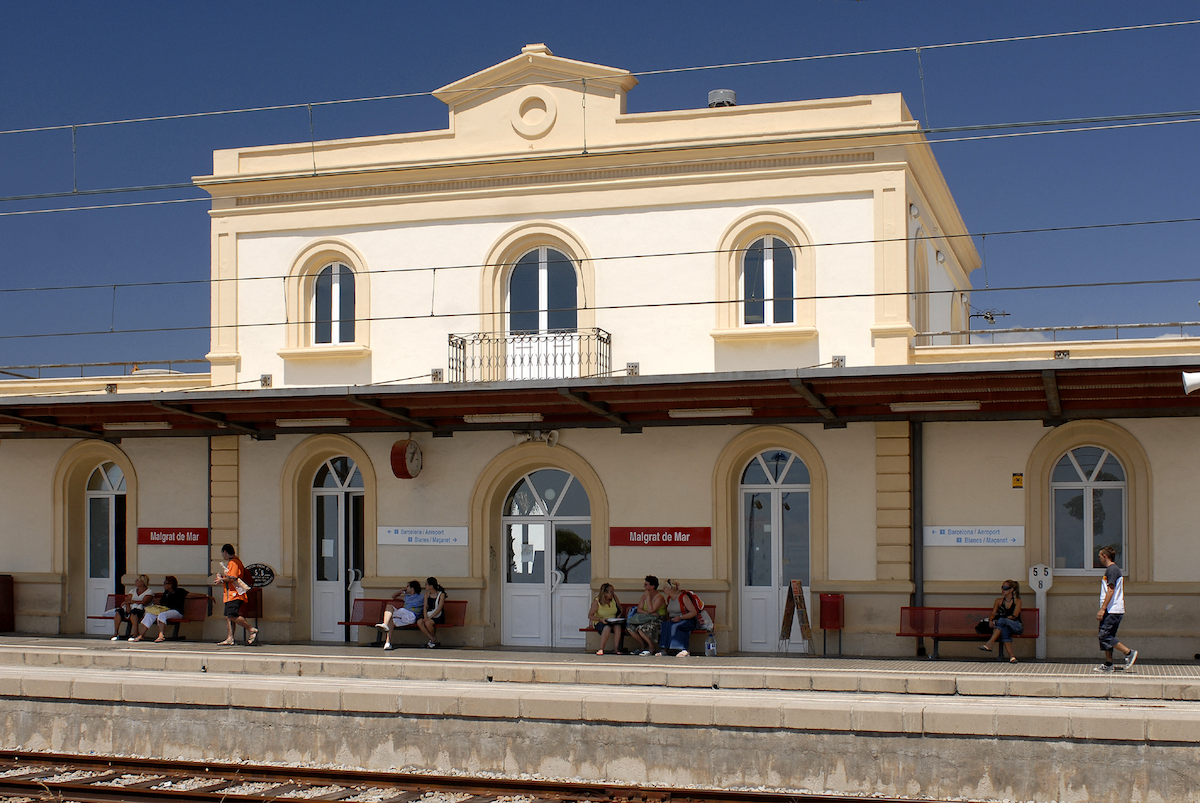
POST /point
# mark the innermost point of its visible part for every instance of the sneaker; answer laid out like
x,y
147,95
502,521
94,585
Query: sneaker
x,y
1103,668
644,652
115,638
431,645
682,654
387,647
1131,659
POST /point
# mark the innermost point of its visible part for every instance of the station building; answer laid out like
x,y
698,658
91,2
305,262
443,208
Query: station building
x,y
557,344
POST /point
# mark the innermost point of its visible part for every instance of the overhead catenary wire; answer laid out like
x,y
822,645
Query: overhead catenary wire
x,y
620,307
1086,124
619,257
635,73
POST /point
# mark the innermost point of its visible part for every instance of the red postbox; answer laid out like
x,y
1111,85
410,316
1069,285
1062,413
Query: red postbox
x,y
833,617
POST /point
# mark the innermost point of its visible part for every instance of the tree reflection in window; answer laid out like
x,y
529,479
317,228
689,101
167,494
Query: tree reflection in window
x,y
1087,489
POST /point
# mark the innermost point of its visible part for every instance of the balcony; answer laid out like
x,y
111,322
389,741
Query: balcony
x,y
555,354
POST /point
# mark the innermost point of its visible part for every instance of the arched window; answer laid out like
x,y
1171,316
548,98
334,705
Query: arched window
x,y
766,279
543,292
769,281
1088,509
328,291
333,304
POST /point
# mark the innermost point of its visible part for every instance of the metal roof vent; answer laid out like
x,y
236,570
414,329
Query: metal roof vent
x,y
722,97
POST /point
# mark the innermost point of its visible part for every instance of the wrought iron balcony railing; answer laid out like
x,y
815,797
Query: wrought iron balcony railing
x,y
554,354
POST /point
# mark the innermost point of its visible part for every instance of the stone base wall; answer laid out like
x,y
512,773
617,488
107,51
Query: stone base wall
x,y
889,764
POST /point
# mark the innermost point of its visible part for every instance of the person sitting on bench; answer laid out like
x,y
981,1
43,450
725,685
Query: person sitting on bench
x,y
134,608
1006,618
169,608
414,606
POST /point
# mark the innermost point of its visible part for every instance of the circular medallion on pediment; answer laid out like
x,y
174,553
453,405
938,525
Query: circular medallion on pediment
x,y
535,112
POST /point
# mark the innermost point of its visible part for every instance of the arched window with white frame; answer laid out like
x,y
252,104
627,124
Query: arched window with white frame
x,y
768,282
333,304
543,292
1088,509
543,339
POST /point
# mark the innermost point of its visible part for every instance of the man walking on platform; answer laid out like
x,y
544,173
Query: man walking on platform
x,y
234,578
1112,609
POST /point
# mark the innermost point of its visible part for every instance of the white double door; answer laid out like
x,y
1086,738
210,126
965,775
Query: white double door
x,y
774,551
547,585
337,561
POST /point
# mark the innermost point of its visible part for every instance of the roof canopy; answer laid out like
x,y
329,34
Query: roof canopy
x,y
1053,392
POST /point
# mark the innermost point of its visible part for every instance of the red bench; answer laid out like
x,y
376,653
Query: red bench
x,y
700,630
113,602
195,609
958,624
369,612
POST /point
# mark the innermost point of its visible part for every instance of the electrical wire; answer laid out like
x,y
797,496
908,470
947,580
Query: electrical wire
x,y
619,257
620,307
1102,123
620,74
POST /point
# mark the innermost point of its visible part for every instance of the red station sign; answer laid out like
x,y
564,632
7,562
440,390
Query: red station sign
x,y
660,536
173,536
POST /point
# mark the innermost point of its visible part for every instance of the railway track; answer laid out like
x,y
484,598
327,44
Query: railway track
x,y
84,779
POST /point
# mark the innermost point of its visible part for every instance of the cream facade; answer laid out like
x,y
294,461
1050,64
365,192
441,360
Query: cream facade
x,y
548,236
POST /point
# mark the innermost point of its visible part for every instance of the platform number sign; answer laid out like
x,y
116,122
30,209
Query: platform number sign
x,y
1041,577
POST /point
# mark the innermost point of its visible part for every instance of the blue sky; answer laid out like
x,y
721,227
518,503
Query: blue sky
x,y
73,62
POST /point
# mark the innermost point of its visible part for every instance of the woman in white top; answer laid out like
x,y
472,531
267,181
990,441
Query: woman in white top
x,y
135,607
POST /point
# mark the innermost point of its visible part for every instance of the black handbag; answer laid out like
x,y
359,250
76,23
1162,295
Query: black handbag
x,y
984,627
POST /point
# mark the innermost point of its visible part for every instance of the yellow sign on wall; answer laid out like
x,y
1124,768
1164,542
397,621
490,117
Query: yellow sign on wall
x,y
1018,480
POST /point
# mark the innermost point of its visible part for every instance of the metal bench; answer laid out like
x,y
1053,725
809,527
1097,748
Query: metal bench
x,y
958,624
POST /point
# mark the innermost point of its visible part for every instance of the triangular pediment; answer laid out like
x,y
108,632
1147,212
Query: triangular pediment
x,y
535,65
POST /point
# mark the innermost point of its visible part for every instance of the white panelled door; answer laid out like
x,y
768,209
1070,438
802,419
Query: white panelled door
x,y
548,565
774,547
105,504
337,534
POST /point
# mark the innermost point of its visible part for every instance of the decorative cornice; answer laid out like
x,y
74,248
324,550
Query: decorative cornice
x,y
559,178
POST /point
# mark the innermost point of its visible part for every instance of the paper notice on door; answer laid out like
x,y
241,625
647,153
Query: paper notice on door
x,y
527,553
327,547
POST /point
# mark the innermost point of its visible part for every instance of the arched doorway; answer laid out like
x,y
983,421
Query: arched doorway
x,y
774,546
338,529
104,539
547,572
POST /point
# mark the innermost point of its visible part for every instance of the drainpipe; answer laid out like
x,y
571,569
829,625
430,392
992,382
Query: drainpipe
x,y
916,449
918,514
208,496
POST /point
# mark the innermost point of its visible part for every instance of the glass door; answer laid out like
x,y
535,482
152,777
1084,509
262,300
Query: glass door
x,y
548,568
105,507
774,547
543,318
337,525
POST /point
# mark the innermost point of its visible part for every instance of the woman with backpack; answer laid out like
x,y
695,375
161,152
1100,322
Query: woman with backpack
x,y
683,612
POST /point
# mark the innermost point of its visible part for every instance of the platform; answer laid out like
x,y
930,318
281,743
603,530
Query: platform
x,y
978,729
